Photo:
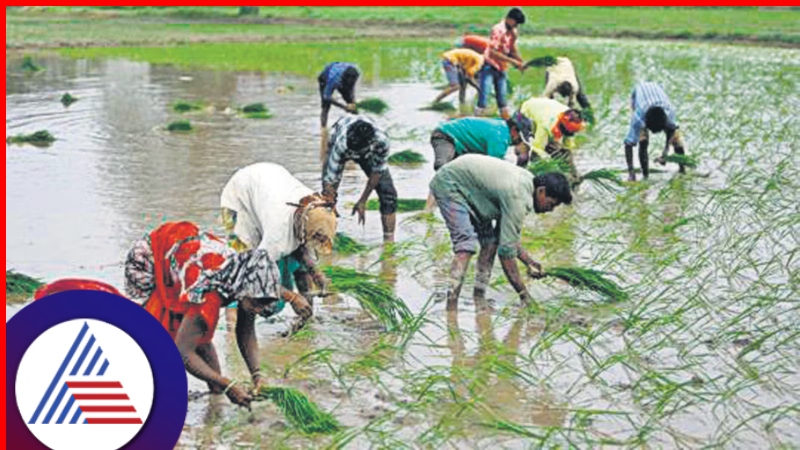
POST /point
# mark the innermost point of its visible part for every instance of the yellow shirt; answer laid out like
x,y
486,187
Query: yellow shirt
x,y
544,113
469,60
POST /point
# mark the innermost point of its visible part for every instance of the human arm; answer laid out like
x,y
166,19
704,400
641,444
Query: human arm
x,y
510,248
663,158
361,206
303,255
248,345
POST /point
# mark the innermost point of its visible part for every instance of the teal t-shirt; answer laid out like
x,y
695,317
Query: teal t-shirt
x,y
478,135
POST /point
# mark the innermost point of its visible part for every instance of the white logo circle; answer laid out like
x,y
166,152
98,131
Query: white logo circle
x,y
84,385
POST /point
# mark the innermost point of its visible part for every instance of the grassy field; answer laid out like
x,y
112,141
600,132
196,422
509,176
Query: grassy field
x,y
60,26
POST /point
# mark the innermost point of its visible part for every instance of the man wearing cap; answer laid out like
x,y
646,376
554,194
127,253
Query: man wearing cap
x,y
358,138
484,202
501,51
552,123
482,136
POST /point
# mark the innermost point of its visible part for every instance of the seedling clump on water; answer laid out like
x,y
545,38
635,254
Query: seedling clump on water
x,y
403,204
299,410
407,157
373,295
68,99
256,111
345,245
39,138
373,105
180,125
184,106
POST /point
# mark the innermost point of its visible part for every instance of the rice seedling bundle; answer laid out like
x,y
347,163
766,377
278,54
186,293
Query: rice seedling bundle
x,y
254,108
373,105
589,279
605,178
41,137
439,107
68,99
403,204
180,125
21,284
685,160
373,295
543,166
29,65
406,157
184,107
299,410
345,245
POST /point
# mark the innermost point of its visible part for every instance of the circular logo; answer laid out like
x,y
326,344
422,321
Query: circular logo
x,y
92,370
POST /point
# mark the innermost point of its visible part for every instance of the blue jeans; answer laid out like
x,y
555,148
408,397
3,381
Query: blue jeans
x,y
488,76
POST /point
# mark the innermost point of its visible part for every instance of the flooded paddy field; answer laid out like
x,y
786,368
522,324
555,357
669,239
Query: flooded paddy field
x,y
705,353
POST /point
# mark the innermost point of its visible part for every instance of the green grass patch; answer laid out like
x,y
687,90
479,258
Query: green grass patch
x,y
345,245
180,125
29,66
685,160
372,294
439,107
373,105
403,204
301,412
39,138
183,106
589,279
256,111
407,157
68,99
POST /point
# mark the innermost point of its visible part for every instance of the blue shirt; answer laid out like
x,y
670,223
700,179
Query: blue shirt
x,y
332,74
644,96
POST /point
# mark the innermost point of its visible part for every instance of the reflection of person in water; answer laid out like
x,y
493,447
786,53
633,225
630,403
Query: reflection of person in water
x,y
502,392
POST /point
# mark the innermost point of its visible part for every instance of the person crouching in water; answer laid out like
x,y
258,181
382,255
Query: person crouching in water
x,y
264,206
358,138
186,276
474,191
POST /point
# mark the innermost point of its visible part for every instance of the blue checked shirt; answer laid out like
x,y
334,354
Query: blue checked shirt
x,y
375,154
644,96
333,77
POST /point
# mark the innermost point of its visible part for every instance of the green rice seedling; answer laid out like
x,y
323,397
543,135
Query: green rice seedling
x,y
29,66
258,115
403,204
184,107
373,295
180,125
68,99
19,284
605,178
39,138
299,410
543,166
345,245
407,157
254,108
373,105
685,160
588,115
440,107
544,61
588,279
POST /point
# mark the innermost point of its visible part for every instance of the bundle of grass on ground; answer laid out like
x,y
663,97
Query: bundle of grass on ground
x,y
403,204
40,138
345,245
605,178
543,166
373,105
685,160
256,111
299,410
180,125
29,66
184,106
439,107
68,99
406,157
372,294
20,285
592,280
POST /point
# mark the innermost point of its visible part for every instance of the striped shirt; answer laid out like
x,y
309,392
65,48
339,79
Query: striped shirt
x,y
646,95
374,155
332,74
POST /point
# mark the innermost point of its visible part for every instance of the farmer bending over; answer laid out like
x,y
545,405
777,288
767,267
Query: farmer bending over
x,y
186,276
552,123
358,138
336,76
475,190
651,111
482,136
501,52
561,78
460,66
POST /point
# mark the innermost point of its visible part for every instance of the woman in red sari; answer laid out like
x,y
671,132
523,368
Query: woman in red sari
x,y
186,276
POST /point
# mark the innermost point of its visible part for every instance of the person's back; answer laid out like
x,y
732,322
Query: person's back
x,y
478,135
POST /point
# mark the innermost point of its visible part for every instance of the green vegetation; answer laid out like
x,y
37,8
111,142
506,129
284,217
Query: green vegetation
x,y
29,66
20,286
589,279
180,125
182,106
406,157
40,138
374,296
440,107
403,204
68,99
299,410
685,160
256,111
608,179
543,166
345,245
373,105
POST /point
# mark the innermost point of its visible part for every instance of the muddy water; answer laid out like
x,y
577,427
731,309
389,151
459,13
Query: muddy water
x,y
705,352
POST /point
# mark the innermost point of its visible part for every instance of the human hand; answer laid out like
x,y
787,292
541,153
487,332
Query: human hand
x,y
661,160
361,209
238,395
351,107
535,270
301,306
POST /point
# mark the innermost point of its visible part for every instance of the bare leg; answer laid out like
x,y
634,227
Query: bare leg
x,y
629,161
303,281
447,91
457,270
209,354
389,222
484,273
679,150
644,159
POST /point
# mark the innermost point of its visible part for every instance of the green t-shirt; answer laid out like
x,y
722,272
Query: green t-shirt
x,y
477,135
493,190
